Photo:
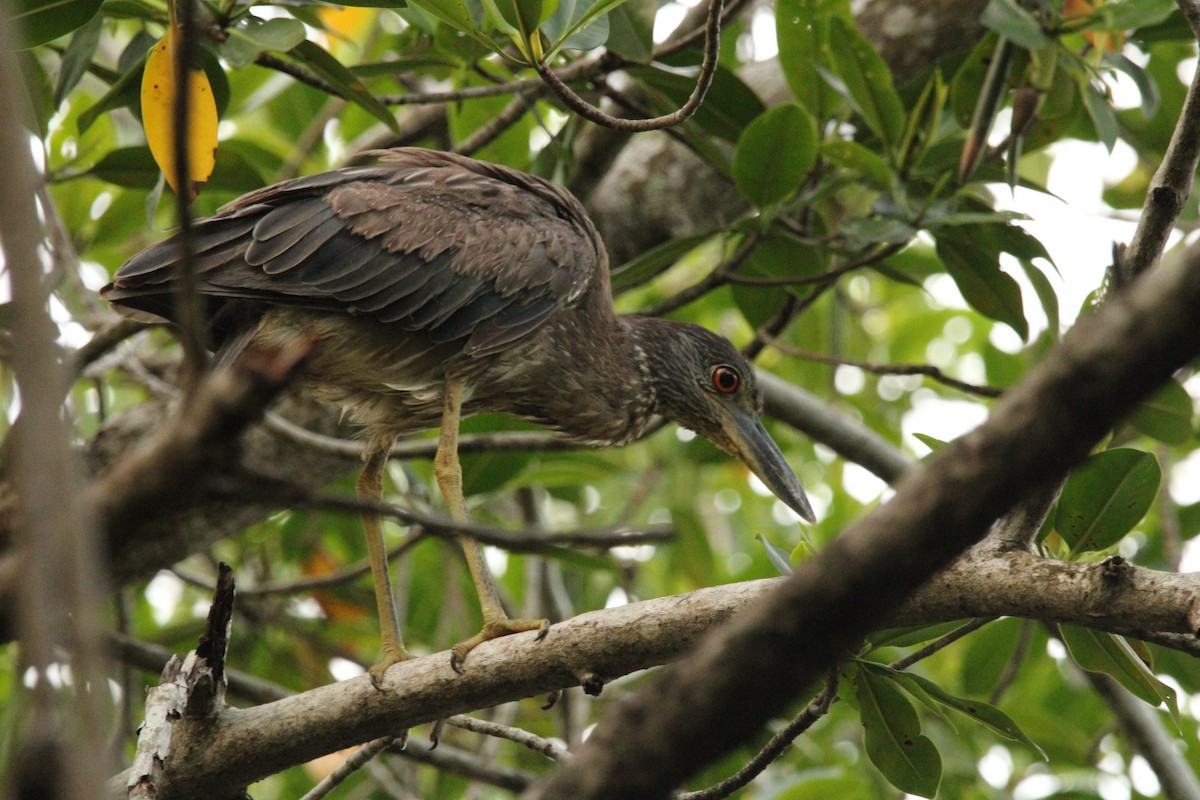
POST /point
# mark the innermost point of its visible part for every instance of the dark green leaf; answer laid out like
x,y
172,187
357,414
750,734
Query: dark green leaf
x,y
1009,19
125,90
1146,86
1167,416
983,284
986,715
775,154
894,742
864,80
729,106
649,264
1100,111
77,57
1105,497
329,69
913,635
1109,654
135,168
631,31
41,21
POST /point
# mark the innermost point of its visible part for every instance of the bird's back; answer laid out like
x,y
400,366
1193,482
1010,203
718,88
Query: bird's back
x,y
453,250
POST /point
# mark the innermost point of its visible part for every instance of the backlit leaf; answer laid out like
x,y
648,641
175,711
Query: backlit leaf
x,y
1167,416
1105,497
1110,654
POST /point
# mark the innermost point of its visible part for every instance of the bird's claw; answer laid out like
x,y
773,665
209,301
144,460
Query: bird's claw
x,y
391,655
494,630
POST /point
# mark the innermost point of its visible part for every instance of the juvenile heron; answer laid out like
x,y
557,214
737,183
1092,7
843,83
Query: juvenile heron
x,y
437,286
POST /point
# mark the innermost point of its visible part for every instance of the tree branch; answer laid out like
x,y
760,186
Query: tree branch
x,y
244,745
1108,363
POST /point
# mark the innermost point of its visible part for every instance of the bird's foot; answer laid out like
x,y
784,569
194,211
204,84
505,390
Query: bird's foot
x,y
494,629
392,654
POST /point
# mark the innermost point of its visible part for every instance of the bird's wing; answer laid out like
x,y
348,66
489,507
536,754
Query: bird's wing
x,y
453,248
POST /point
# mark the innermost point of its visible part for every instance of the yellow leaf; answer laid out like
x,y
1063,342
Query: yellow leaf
x,y
158,114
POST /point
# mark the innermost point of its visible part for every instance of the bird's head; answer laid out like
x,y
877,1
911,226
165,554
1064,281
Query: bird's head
x,y
704,384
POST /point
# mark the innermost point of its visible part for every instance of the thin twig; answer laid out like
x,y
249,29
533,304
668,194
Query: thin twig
x,y
1014,663
498,124
940,643
189,313
270,490
354,762
817,707
523,737
465,93
311,582
713,280
510,441
886,369
712,47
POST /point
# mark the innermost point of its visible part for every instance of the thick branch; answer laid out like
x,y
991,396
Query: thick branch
x,y
246,745
1105,366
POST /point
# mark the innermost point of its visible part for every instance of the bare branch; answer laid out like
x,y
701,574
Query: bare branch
x,y
886,369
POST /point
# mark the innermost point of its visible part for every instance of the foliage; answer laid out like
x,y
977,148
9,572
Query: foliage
x,y
865,238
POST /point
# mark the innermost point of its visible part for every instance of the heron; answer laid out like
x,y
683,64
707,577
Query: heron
x,y
435,286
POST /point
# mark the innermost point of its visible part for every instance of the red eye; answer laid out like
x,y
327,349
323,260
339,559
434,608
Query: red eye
x,y
726,380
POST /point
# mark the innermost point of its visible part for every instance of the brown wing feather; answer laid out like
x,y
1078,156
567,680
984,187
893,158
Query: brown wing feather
x,y
440,244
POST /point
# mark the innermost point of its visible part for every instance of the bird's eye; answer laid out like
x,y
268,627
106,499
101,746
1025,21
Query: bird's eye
x,y
725,379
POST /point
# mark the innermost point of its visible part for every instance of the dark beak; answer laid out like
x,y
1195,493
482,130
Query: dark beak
x,y
753,445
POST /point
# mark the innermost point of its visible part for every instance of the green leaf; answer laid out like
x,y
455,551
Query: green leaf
x,y
596,10
930,442
77,58
913,634
988,289
455,13
567,16
648,265
729,107
985,714
333,72
135,168
797,30
1105,497
41,21
853,156
1167,416
631,31
1100,111
779,558
125,90
1110,654
775,154
1009,19
864,79
252,36
892,734
1147,88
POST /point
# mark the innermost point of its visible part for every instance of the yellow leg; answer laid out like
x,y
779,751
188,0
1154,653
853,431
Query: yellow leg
x,y
370,489
449,477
